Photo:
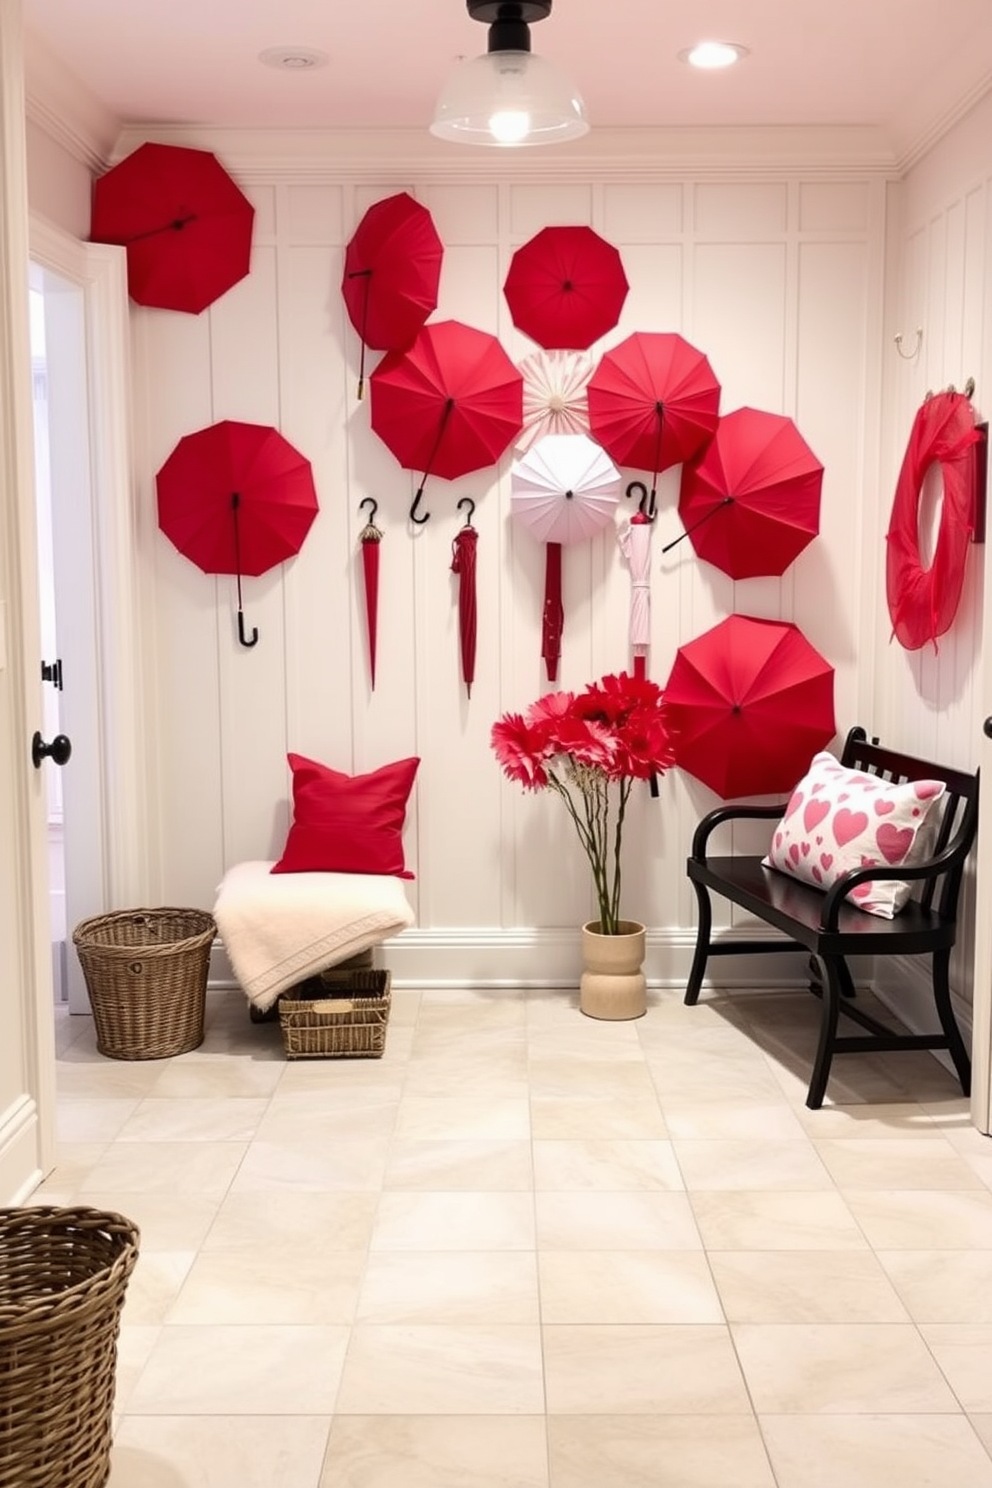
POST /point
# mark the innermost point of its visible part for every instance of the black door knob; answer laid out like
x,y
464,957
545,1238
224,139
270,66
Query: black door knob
x,y
987,728
59,750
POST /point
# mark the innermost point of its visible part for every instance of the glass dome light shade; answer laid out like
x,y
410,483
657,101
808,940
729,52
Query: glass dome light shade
x,y
509,98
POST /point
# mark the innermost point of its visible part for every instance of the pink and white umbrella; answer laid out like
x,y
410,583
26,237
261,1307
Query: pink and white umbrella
x,y
634,540
555,399
564,489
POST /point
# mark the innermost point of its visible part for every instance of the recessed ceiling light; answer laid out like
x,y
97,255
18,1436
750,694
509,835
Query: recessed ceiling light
x,y
713,54
293,59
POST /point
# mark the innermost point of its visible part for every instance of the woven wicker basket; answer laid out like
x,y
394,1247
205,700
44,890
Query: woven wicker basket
x,y
347,1020
63,1275
146,974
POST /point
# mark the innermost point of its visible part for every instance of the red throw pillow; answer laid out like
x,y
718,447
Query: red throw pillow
x,y
347,823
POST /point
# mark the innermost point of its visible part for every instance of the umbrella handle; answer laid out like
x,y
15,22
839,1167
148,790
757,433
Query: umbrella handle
x,y
245,641
413,510
727,501
369,501
467,501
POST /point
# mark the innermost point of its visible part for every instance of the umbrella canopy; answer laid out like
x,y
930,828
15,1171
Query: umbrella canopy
x,y
370,537
555,400
566,287
392,268
564,489
750,500
464,551
450,404
923,599
653,402
187,227
749,704
236,498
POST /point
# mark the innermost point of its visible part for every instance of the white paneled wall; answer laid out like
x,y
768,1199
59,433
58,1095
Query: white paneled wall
x,y
779,281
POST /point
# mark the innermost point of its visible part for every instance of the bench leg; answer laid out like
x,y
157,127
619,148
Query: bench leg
x,y
948,1022
702,951
837,982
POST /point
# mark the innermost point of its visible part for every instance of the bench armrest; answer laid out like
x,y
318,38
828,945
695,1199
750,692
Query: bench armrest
x,y
838,891
721,814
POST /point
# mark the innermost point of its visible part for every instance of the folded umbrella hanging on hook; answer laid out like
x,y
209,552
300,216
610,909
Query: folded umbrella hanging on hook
x,y
392,269
464,552
236,498
370,537
448,405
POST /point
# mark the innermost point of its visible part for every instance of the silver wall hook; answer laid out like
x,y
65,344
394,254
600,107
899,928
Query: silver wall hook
x,y
909,356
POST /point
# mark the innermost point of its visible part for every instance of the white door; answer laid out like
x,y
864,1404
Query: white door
x,y
27,1060
981,1038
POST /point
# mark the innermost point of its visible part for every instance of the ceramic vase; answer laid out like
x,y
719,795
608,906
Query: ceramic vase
x,y
613,984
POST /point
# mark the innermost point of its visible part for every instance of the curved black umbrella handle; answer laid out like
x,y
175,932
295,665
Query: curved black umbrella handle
x,y
242,637
646,504
467,501
413,510
727,501
372,504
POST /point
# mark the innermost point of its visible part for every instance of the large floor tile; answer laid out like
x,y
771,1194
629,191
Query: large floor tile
x,y
299,1222
180,1168
937,1292
442,1164
450,1287
916,1163
465,1118
875,1450
662,1451
271,1286
490,1369
317,1167
246,1370
410,1220
605,1164
633,1286
772,1220
89,1119
619,1221
216,1118
218,1452
642,1371
572,1118
437,1451
757,1164
805,1286
840,1369
923,1219
964,1353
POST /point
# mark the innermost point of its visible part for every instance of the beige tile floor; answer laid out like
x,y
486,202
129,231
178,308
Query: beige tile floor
x,y
529,1250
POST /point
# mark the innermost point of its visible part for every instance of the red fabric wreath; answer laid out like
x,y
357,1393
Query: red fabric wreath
x,y
923,601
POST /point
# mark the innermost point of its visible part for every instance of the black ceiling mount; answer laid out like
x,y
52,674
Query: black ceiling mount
x,y
509,21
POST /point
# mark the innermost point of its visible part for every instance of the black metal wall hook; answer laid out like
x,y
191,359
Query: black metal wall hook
x,y
413,510
467,501
372,504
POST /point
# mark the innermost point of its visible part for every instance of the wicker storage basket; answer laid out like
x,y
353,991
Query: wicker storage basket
x,y
63,1274
146,974
346,1019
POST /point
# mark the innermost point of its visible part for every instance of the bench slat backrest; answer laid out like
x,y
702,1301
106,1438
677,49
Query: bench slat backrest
x,y
959,813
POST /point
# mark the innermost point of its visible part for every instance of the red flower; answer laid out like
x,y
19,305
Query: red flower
x,y
520,750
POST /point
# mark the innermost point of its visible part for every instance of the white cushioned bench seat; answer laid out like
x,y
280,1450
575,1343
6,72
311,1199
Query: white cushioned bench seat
x,y
279,928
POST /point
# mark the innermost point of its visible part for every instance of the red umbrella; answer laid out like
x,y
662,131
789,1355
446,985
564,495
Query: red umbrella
x,y
566,288
370,537
750,501
448,405
463,556
236,498
749,703
653,402
923,599
392,268
186,225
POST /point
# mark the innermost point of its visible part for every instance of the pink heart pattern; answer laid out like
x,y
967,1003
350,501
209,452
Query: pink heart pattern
x,y
839,819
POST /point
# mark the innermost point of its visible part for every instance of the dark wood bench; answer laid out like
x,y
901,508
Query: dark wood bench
x,y
831,929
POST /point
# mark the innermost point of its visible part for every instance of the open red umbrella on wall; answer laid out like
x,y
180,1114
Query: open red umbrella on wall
x,y
186,225
653,402
236,498
450,404
566,288
392,269
464,552
749,703
750,500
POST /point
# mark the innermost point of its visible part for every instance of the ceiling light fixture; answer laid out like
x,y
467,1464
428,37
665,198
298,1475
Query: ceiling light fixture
x,y
293,59
509,96
712,55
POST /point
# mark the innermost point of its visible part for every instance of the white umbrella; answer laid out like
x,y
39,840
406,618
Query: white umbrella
x,y
564,489
634,539
555,400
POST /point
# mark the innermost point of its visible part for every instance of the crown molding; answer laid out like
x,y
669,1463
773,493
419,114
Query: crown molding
x,y
62,106
635,155
910,149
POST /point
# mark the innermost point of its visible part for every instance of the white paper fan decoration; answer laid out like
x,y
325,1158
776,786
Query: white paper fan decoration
x,y
555,400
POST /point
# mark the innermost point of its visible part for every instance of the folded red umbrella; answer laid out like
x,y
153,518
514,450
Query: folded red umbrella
x,y
750,500
450,404
187,227
653,402
566,288
923,599
392,268
236,498
464,551
370,537
749,703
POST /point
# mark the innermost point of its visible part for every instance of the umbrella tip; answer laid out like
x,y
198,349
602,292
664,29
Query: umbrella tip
x,y
361,389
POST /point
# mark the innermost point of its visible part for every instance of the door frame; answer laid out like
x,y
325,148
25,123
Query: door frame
x,y
100,271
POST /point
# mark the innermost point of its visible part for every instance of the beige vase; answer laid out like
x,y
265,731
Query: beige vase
x,y
613,984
